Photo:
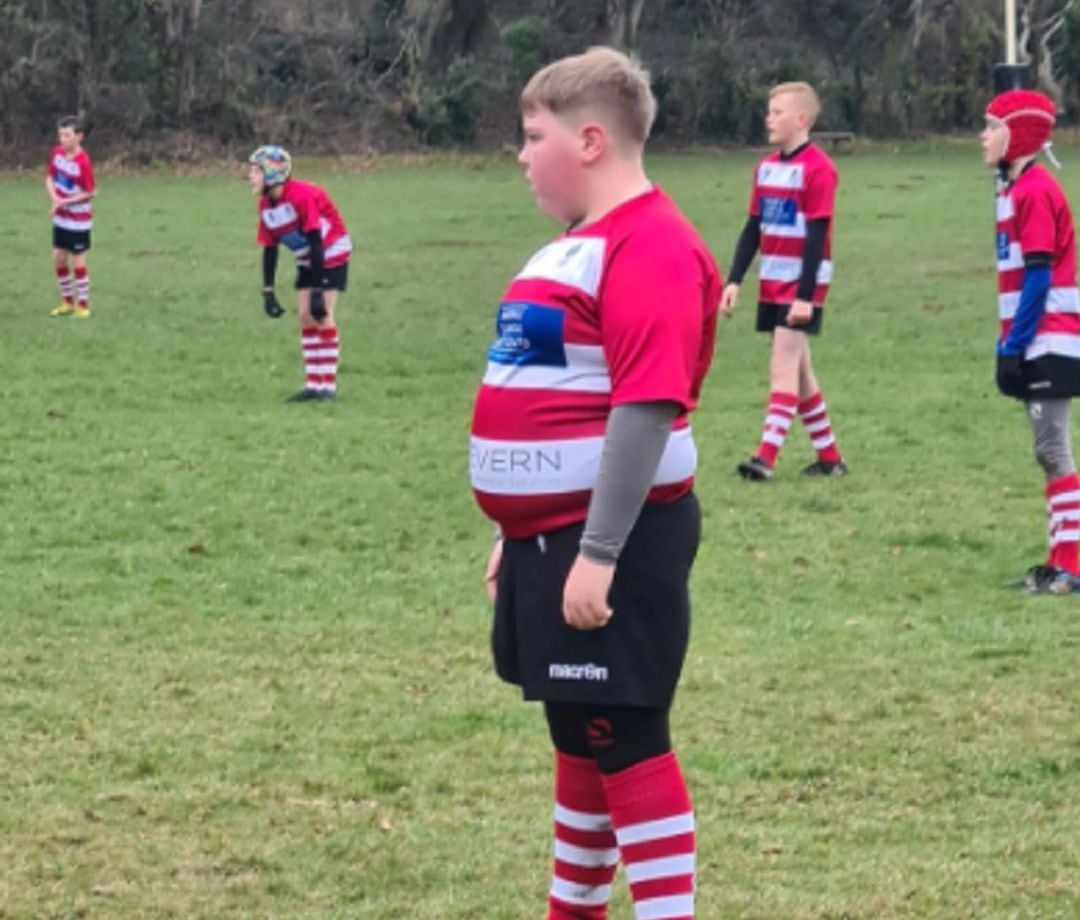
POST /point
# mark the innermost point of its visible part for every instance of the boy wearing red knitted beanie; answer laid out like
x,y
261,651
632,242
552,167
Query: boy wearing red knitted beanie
x,y
1038,352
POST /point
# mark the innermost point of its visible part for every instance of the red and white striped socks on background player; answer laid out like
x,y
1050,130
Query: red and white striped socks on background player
x,y
66,285
1063,511
69,287
321,350
779,415
72,288
641,814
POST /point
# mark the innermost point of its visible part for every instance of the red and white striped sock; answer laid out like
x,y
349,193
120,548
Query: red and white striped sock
x,y
329,350
815,416
1063,505
654,825
311,345
778,418
586,854
82,286
66,285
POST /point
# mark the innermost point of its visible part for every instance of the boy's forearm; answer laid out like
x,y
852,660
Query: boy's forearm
x,y
817,232
1032,306
745,250
637,434
269,267
315,252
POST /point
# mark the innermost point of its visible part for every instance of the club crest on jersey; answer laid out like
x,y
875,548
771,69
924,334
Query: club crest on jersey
x,y
529,334
779,212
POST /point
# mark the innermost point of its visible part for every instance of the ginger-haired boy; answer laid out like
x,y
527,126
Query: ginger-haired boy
x,y
791,217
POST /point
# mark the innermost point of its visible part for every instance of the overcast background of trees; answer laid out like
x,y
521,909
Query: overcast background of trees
x,y
174,79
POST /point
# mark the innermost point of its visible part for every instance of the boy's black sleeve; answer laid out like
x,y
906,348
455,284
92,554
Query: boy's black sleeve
x,y
269,265
745,250
817,231
315,254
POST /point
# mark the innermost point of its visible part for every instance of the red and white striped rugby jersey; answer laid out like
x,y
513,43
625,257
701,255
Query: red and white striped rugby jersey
x,y
71,177
303,207
1033,215
620,311
788,192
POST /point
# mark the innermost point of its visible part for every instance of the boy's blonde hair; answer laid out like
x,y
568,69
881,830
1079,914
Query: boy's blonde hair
x,y
806,95
603,79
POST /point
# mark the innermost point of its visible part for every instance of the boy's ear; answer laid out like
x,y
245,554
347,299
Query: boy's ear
x,y
594,141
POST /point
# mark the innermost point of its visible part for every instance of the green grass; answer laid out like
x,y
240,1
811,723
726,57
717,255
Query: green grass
x,y
244,669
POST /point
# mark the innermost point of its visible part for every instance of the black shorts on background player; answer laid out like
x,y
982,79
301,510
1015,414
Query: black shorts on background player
x,y
71,240
333,279
771,316
633,661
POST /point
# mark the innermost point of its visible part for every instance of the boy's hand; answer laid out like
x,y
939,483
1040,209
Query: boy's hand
x,y
585,596
800,313
317,304
491,572
270,304
728,299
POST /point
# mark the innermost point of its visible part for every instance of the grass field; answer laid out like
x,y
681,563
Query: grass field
x,y
244,669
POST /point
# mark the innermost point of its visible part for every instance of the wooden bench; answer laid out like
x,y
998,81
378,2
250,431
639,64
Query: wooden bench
x,y
835,141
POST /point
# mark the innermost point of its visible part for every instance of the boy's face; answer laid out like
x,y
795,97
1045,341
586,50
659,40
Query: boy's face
x,y
553,154
255,180
995,141
785,120
68,138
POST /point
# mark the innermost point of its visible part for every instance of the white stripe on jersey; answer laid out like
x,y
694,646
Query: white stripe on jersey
x,y
582,820
66,223
789,268
557,467
1058,300
338,247
80,207
586,371
781,175
798,231
1005,207
1053,343
576,261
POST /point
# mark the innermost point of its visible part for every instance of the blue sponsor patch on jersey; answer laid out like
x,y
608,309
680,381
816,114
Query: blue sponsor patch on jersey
x,y
529,333
778,211
64,181
1002,245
